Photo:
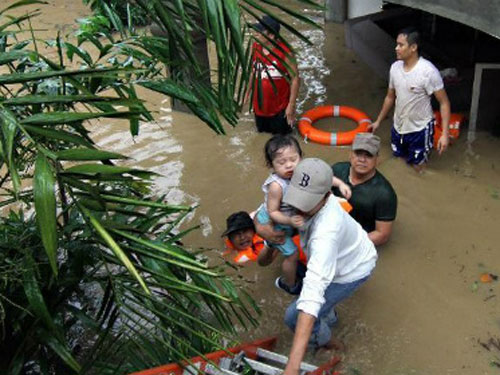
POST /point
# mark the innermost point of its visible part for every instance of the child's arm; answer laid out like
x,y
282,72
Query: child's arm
x,y
342,186
274,196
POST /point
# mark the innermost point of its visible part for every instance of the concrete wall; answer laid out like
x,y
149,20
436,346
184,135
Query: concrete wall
x,y
372,44
483,15
488,116
338,10
359,8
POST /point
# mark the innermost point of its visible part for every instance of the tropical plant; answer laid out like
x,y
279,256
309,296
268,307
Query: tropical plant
x,y
226,25
93,273
94,278
129,13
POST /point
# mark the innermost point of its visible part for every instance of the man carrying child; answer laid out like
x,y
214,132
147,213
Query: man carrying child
x,y
340,257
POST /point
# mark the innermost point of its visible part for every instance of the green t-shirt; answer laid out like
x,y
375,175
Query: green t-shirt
x,y
373,200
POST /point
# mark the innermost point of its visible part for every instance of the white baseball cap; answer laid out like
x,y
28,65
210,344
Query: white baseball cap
x,y
311,180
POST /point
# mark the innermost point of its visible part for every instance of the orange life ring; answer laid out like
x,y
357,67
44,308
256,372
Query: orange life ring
x,y
309,132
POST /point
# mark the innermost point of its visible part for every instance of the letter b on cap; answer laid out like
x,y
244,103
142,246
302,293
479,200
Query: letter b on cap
x,y
305,180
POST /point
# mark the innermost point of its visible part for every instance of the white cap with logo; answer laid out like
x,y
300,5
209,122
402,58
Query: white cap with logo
x,y
311,180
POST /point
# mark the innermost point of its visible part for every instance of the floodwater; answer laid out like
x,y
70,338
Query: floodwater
x,y
424,311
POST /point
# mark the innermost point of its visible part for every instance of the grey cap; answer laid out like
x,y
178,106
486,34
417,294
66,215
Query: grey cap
x,y
368,142
311,180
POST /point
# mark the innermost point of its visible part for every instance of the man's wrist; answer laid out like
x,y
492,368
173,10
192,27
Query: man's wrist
x,y
293,365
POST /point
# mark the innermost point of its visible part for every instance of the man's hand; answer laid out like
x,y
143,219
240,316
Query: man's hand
x,y
345,190
444,109
276,236
297,221
290,114
266,256
374,126
443,143
267,232
303,329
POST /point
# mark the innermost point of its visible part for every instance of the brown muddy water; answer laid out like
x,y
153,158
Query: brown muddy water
x,y
424,311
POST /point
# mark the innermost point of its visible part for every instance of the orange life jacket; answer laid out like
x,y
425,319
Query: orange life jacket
x,y
252,252
344,204
456,121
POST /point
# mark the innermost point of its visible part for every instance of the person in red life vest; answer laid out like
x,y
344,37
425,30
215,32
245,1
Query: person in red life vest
x,y
241,237
275,79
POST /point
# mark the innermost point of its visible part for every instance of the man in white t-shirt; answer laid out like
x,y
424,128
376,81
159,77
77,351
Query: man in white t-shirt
x,y
340,257
412,82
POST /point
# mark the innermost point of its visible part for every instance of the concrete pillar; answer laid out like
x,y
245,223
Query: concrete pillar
x,y
336,11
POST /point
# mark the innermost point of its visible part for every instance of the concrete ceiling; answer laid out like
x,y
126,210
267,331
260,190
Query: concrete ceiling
x,y
483,15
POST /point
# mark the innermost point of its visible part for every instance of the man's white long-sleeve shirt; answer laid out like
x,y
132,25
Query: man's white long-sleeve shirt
x,y
338,251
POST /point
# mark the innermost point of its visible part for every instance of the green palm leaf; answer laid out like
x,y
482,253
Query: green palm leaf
x,y
173,89
67,99
34,295
92,169
87,154
58,118
60,135
7,57
20,4
8,131
186,263
15,78
45,207
60,349
119,253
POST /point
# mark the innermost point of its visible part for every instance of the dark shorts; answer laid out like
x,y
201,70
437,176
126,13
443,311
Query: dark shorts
x,y
414,147
276,124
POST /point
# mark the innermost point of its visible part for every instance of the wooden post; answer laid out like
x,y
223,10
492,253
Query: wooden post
x,y
201,55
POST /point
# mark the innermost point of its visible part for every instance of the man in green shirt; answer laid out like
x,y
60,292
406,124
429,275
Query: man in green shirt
x,y
373,199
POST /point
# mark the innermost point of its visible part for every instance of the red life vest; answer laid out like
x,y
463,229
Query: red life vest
x,y
274,98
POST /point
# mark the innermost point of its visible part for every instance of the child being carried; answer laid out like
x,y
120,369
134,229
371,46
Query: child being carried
x,y
282,154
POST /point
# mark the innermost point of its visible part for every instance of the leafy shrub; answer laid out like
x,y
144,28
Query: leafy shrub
x,y
128,12
93,278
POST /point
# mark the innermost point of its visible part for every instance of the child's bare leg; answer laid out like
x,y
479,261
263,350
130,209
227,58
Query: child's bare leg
x,y
289,268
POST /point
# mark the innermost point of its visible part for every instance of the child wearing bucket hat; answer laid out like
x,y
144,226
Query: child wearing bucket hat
x,y
241,237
